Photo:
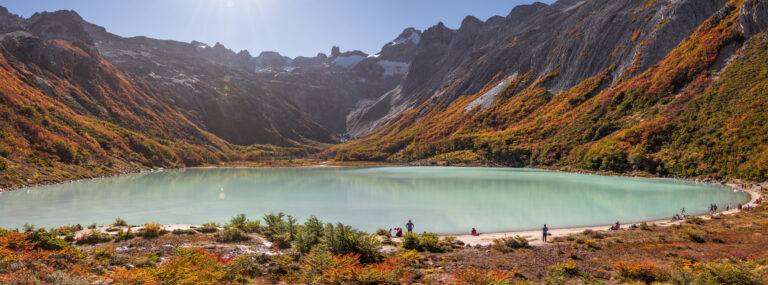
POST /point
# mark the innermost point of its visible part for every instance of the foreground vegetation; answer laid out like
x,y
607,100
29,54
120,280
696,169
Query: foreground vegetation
x,y
720,250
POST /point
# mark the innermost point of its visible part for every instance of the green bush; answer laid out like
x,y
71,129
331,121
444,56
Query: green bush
x,y
152,230
509,244
208,228
383,233
694,220
93,237
28,228
429,242
183,232
230,234
279,223
120,223
341,239
46,240
309,235
124,235
732,273
67,230
559,273
281,241
241,222
245,267
695,235
410,241
60,277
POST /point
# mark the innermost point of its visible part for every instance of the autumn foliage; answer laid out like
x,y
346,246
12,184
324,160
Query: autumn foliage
x,y
675,118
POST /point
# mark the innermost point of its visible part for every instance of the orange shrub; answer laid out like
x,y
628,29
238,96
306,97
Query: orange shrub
x,y
191,266
482,276
644,271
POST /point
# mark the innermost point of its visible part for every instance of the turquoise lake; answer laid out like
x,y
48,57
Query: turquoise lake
x,y
445,200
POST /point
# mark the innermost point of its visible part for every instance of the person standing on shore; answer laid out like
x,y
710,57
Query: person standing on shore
x,y
544,232
409,226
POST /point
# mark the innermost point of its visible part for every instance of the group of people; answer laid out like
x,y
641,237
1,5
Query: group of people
x,y
615,227
681,216
399,230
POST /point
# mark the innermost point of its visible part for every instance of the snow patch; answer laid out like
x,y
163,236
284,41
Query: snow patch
x,y
393,67
348,61
574,6
487,99
414,38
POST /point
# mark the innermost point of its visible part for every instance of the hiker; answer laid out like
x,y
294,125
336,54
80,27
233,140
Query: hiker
x,y
616,227
409,226
544,231
398,232
739,207
390,232
727,207
715,205
682,212
677,217
474,232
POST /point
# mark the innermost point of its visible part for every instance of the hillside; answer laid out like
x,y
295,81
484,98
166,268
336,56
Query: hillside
x,y
662,87
68,113
699,111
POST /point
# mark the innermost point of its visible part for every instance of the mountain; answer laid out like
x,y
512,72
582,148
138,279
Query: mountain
x,y
578,39
69,112
81,102
656,86
198,81
665,87
327,88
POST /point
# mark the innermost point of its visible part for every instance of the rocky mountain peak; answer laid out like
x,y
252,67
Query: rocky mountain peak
x,y
59,25
335,51
244,53
521,12
470,22
272,59
9,21
403,48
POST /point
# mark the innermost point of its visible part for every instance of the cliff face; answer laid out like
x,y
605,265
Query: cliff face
x,y
652,86
576,39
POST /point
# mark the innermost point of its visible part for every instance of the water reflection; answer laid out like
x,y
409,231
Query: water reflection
x,y
439,199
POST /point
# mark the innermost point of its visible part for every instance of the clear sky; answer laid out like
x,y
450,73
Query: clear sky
x,y
291,27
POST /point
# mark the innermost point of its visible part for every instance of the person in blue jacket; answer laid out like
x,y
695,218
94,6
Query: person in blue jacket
x,y
409,226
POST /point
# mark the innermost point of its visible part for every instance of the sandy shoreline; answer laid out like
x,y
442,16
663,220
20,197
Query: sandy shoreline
x,y
535,236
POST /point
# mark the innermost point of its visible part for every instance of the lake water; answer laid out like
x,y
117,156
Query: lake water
x,y
445,200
